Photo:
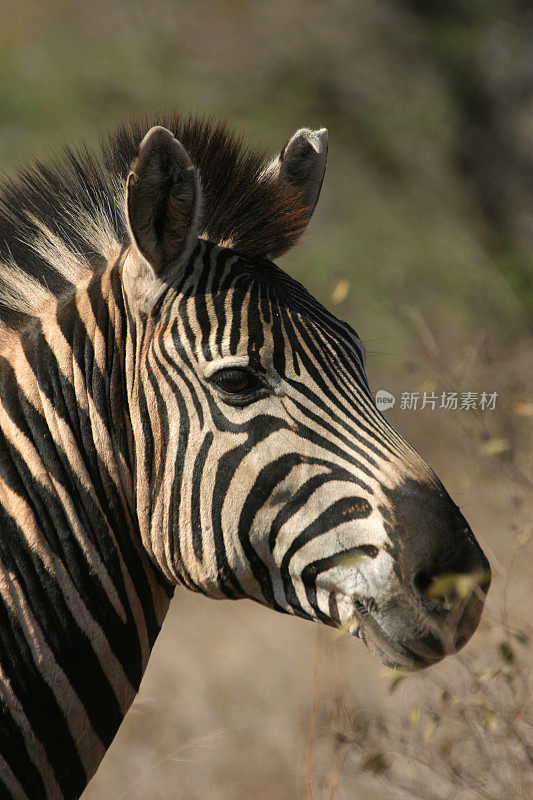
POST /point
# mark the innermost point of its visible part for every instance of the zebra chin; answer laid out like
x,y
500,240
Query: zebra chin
x,y
415,640
402,627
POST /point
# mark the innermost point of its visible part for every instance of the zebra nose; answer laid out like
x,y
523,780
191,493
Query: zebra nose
x,y
452,589
451,566
440,564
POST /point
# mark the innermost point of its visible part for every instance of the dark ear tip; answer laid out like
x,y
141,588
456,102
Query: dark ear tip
x,y
313,143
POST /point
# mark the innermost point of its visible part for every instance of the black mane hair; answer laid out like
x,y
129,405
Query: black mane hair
x,y
60,221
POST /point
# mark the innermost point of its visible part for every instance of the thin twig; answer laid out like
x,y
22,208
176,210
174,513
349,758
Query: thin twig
x,y
310,753
337,775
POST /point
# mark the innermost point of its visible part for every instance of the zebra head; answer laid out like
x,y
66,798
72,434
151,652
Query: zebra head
x,y
263,468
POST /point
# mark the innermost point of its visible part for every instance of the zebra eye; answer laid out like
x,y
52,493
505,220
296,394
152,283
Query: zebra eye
x,y
236,382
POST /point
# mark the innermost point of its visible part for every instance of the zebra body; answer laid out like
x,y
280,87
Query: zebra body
x,y
176,410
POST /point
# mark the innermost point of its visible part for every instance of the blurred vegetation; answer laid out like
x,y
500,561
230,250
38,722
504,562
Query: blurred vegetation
x,y
462,730
422,240
468,737
428,106
426,207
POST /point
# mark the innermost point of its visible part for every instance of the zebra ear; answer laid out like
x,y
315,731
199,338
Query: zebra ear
x,y
163,199
302,164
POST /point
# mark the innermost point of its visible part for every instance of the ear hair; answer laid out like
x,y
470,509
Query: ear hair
x,y
163,200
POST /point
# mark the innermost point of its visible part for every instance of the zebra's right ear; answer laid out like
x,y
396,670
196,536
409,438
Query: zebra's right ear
x,y
163,200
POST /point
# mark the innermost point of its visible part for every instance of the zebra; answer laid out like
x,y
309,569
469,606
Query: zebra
x,y
175,410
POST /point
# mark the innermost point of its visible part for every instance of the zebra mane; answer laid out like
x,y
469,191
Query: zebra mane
x,y
61,221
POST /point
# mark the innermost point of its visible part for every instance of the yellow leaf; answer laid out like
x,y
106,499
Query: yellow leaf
x,y
456,583
428,385
343,629
486,674
429,731
522,539
415,712
340,290
489,721
351,559
492,447
523,409
442,586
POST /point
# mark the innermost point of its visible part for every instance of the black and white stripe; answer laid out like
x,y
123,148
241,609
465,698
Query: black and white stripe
x,y
177,411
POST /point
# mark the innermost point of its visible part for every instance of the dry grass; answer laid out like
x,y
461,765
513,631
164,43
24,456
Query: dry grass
x,y
467,737
466,732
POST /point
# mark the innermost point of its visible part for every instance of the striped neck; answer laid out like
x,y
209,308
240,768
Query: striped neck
x,y
80,602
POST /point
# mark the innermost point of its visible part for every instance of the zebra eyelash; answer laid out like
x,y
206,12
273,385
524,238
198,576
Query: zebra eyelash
x,y
253,385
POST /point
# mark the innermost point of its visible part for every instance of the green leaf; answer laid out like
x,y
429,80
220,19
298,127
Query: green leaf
x,y
506,652
377,763
395,682
520,636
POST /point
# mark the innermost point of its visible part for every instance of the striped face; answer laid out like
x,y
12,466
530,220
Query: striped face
x,y
265,470
278,479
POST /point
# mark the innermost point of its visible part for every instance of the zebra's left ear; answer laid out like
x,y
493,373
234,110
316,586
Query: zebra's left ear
x,y
163,200
301,164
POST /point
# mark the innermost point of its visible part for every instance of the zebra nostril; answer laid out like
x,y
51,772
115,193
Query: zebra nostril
x,y
422,581
435,589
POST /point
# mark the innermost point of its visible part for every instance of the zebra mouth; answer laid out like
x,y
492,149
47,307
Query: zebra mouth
x,y
384,648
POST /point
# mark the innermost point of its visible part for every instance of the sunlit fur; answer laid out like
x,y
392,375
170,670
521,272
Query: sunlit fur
x,y
124,471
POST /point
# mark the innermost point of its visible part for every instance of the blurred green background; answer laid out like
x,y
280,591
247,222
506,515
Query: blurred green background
x,y
422,240
428,105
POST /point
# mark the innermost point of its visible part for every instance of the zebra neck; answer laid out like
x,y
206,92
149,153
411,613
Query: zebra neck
x,y
80,602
